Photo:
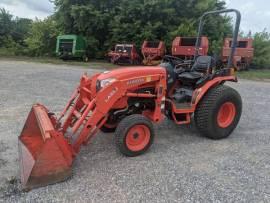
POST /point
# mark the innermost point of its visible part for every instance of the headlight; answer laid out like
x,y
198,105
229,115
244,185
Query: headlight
x,y
106,82
103,83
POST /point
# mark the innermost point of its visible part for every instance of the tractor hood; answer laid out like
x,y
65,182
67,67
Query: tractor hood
x,y
128,72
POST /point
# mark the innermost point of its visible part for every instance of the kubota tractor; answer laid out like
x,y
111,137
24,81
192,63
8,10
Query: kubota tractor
x,y
124,54
153,52
128,101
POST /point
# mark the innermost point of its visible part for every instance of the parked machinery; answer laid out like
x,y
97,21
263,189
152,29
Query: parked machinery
x,y
244,52
153,52
71,47
184,47
124,54
128,101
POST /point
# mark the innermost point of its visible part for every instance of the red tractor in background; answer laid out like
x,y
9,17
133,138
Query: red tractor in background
x,y
243,54
185,47
153,52
124,54
128,101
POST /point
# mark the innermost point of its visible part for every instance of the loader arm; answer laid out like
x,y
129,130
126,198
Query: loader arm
x,y
87,116
48,145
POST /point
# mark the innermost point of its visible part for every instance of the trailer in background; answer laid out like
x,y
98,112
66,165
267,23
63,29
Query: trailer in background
x,y
153,52
124,54
244,52
184,47
71,47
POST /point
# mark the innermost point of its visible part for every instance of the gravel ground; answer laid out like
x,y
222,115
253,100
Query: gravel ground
x,y
181,166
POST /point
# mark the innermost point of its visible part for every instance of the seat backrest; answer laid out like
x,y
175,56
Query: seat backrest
x,y
203,64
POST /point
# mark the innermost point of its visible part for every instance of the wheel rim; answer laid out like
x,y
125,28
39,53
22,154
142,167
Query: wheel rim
x,y
226,114
138,137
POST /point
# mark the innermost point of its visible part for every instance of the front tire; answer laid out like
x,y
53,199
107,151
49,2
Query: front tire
x,y
134,135
219,112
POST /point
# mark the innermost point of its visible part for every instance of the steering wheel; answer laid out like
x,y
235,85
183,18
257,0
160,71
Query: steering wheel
x,y
177,63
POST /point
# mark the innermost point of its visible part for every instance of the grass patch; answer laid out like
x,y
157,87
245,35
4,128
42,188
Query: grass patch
x,y
95,64
262,75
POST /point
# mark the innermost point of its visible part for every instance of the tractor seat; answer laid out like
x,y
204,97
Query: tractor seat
x,y
199,71
190,77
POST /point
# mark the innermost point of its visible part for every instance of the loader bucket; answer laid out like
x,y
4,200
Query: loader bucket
x,y
45,155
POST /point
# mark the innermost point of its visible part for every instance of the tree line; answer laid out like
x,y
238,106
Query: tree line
x,y
104,23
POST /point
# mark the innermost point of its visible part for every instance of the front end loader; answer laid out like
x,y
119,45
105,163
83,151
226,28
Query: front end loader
x,y
48,145
128,101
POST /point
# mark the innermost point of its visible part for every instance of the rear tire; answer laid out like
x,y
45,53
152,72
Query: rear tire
x,y
219,112
134,135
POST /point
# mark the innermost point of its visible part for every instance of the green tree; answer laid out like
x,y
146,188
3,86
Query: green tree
x,y
261,46
105,23
13,31
21,29
6,27
90,18
42,37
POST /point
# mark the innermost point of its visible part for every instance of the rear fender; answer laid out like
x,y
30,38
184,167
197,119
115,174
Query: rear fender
x,y
200,92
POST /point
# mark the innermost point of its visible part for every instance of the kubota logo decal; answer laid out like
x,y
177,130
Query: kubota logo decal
x,y
135,81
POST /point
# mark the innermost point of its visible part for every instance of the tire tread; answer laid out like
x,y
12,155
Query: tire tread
x,y
123,128
203,113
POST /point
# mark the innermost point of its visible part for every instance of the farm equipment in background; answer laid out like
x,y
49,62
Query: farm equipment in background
x,y
71,47
124,54
153,52
128,101
185,47
243,54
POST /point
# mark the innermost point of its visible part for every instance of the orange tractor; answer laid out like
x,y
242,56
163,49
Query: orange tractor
x,y
128,101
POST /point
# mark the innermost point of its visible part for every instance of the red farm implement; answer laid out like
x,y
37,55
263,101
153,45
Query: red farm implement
x,y
184,47
153,52
244,52
124,54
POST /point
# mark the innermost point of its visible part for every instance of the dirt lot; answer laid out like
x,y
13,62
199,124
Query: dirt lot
x,y
180,167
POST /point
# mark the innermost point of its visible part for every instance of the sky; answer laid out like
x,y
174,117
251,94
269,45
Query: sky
x,y
255,13
28,8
